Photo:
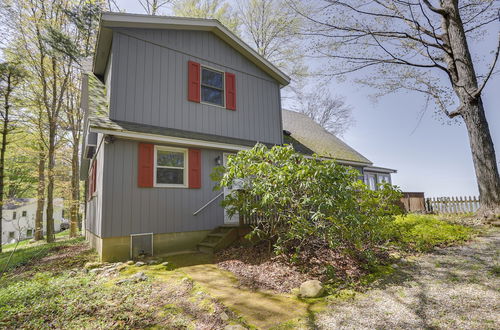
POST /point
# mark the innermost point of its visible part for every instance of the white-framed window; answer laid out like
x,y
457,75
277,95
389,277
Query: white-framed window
x,y
12,235
171,167
212,86
29,232
14,215
25,213
383,178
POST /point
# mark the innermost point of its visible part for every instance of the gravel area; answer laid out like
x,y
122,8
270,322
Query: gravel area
x,y
451,288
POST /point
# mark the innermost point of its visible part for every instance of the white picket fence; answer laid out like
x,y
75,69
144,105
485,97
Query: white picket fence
x,y
452,205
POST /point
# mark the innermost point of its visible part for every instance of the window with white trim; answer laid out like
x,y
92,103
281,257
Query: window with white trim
x,y
170,167
212,86
384,178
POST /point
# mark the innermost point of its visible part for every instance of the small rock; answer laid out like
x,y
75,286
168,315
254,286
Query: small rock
x,y
139,264
153,262
140,276
92,265
224,317
130,262
121,267
95,271
395,266
234,327
311,289
166,263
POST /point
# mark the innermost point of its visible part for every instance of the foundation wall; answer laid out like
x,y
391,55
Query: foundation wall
x,y
112,249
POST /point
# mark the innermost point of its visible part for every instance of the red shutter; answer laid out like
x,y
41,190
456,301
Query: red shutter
x,y
193,81
145,166
194,163
230,91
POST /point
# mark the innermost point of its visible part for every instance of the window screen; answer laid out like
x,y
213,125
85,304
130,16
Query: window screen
x,y
170,166
212,86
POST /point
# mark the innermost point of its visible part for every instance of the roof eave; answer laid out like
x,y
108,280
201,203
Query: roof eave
x,y
117,20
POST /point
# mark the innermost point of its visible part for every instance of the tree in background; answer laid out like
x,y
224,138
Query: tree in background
x,y
79,42
273,29
11,76
42,48
420,46
331,112
217,9
152,7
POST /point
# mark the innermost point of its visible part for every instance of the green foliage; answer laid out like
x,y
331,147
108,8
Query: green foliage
x,y
423,232
216,9
302,201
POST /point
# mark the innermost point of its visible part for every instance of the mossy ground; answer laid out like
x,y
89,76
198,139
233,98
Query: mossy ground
x,y
46,286
424,232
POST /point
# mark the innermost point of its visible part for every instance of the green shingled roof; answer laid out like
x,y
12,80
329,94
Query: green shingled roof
x,y
98,104
312,136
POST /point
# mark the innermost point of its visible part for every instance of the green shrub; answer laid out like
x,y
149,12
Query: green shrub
x,y
423,232
303,201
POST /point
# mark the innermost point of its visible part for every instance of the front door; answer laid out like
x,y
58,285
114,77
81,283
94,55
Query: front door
x,y
235,219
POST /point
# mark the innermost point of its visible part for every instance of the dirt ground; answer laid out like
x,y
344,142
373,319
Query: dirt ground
x,y
451,288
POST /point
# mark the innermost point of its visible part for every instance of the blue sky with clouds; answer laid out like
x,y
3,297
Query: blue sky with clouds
x,y
430,155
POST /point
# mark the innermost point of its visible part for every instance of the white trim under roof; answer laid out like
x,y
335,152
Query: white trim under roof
x,y
116,20
379,169
169,139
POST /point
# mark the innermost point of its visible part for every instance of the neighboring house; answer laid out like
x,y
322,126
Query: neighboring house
x,y
166,101
308,137
18,221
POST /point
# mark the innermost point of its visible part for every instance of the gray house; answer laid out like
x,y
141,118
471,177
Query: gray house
x,y
166,101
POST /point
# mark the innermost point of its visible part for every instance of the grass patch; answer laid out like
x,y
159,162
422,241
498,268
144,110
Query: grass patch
x,y
29,242
424,232
26,254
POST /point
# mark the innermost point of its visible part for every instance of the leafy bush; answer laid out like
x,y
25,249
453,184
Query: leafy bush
x,y
423,232
301,201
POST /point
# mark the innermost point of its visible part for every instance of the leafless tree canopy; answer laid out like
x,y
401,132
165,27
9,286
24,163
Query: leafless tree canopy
x,y
423,46
331,112
405,42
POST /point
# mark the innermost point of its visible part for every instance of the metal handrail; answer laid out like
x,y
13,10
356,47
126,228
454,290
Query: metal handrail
x,y
208,203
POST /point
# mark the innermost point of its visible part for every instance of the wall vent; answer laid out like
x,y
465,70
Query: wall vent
x,y
141,245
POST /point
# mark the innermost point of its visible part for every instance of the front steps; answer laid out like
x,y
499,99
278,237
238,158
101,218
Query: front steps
x,y
218,239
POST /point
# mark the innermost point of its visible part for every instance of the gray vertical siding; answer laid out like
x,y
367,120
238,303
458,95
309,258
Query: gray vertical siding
x,y
149,85
93,220
129,209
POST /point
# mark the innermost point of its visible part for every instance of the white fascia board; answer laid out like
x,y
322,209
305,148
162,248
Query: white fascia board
x,y
170,139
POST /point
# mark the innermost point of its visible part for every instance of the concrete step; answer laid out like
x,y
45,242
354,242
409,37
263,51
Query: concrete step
x,y
219,238
209,245
217,234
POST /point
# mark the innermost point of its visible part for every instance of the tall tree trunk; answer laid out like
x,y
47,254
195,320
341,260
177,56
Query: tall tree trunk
x,y
50,185
464,80
40,204
75,192
5,131
483,156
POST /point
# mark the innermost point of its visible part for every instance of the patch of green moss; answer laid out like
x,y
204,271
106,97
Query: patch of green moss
x,y
424,232
376,272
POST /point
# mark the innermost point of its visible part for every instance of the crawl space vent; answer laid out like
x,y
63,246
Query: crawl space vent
x,y
141,245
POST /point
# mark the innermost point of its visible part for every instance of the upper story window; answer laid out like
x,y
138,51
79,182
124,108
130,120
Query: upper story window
x,y
24,213
170,167
14,215
212,86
